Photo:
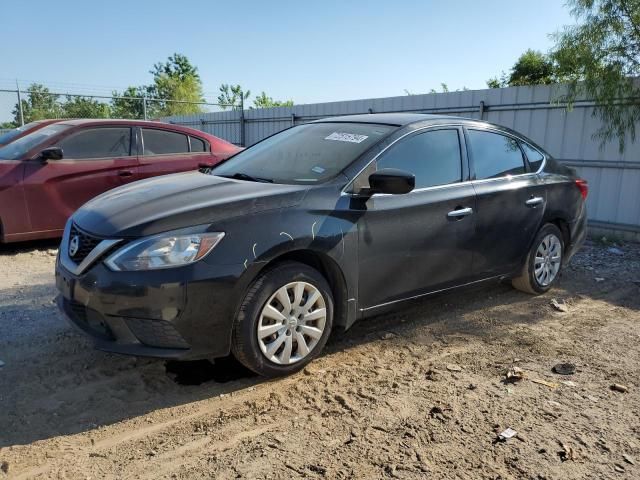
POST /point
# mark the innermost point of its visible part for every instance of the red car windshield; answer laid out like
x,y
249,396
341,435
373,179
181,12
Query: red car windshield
x,y
19,148
11,134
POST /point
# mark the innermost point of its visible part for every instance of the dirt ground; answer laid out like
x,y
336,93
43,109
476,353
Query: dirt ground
x,y
418,393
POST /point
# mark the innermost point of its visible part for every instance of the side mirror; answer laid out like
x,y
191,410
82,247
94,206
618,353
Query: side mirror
x,y
51,153
391,180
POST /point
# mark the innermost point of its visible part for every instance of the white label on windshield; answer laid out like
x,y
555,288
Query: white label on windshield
x,y
347,137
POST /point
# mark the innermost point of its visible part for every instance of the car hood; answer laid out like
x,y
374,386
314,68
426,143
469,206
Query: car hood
x,y
177,201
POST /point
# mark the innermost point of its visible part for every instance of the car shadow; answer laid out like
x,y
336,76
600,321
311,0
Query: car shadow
x,y
7,249
54,383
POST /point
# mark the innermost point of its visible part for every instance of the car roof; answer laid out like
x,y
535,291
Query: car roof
x,y
77,122
396,119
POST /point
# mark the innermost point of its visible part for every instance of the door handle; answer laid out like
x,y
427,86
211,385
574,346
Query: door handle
x,y
125,173
460,212
534,201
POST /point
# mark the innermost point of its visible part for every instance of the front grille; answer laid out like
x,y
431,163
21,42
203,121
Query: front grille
x,y
86,244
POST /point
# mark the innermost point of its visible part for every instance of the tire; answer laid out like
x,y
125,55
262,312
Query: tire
x,y
304,336
535,282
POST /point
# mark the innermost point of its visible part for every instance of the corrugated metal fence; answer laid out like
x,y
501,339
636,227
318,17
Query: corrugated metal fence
x,y
614,199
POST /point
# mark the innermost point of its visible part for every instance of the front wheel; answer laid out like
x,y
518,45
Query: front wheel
x,y
544,261
284,320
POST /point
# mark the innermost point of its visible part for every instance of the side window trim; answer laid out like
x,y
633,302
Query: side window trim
x,y
465,177
518,141
82,130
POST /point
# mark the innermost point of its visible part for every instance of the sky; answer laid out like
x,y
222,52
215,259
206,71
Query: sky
x,y
306,51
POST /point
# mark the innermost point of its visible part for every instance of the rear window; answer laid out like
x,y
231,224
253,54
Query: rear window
x,y
306,154
162,142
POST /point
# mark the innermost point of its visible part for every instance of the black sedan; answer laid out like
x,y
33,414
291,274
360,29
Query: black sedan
x,y
312,229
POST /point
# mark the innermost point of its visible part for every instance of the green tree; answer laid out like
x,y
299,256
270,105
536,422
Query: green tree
x,y
231,96
129,103
40,104
532,68
498,82
264,101
83,107
599,58
177,86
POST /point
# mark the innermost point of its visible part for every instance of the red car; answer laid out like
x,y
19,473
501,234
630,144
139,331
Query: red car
x,y
49,173
19,132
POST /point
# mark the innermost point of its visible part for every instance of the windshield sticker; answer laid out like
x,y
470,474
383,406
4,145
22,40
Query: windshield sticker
x,y
318,169
347,137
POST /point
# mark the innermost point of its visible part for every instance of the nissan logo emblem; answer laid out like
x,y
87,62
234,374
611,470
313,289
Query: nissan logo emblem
x,y
74,245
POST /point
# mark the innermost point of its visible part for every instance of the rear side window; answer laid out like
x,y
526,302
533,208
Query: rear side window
x,y
534,157
197,145
433,157
494,155
160,142
98,143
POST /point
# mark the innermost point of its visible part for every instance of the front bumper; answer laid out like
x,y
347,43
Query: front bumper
x,y
183,313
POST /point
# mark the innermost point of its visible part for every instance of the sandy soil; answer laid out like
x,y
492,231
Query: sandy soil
x,y
418,393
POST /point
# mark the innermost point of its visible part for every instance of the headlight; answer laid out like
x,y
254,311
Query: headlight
x,y
163,251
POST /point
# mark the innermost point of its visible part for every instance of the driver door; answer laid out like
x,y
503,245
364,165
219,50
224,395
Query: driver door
x,y
420,241
94,160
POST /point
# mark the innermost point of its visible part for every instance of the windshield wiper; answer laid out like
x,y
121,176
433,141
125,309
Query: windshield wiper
x,y
249,178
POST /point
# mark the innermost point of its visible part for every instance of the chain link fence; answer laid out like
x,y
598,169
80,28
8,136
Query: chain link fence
x,y
21,107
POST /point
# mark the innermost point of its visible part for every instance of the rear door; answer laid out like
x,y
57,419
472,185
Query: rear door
x,y
511,201
421,241
165,151
95,160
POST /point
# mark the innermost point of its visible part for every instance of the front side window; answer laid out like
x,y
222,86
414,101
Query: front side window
x,y
494,155
105,142
534,157
433,157
162,142
306,154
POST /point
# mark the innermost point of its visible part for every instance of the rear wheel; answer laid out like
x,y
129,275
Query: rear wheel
x,y
284,321
544,262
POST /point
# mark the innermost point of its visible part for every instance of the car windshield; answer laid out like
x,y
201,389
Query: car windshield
x,y
11,134
19,148
306,154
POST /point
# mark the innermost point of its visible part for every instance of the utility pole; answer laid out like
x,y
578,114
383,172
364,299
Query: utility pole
x,y
20,104
144,106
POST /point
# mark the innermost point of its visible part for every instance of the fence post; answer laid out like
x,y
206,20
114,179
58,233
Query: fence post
x,y
20,104
481,109
242,140
144,106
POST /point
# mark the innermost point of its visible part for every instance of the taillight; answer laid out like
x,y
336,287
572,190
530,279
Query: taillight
x,y
583,186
